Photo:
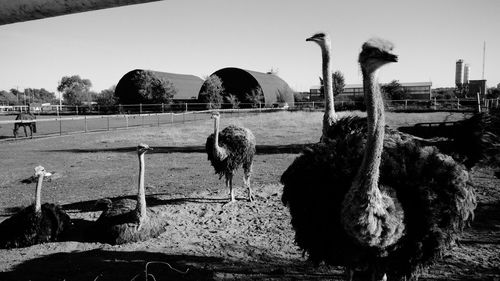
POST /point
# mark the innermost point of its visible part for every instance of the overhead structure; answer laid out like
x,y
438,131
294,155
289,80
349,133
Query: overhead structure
x,y
241,82
12,11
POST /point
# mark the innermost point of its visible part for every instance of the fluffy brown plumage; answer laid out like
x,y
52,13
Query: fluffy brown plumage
x,y
35,224
431,191
127,220
235,148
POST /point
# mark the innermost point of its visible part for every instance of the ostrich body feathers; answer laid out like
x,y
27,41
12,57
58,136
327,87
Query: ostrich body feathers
x,y
239,146
119,224
28,228
433,190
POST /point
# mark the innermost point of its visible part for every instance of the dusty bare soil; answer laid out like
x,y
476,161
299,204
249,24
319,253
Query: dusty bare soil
x,y
204,239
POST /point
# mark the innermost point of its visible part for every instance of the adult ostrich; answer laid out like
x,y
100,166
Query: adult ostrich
x,y
230,149
26,118
330,117
36,223
127,220
379,207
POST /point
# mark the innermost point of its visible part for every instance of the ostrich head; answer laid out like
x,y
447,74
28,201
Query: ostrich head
x,y
321,38
215,115
40,171
375,53
143,148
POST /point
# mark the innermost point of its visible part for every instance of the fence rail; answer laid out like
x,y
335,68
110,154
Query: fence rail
x,y
47,126
145,115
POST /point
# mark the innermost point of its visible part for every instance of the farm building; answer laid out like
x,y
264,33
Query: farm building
x,y
186,86
414,91
240,82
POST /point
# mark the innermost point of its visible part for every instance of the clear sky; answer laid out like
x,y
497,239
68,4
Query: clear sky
x,y
200,37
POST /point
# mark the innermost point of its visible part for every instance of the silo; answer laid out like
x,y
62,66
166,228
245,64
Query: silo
x,y
466,73
458,72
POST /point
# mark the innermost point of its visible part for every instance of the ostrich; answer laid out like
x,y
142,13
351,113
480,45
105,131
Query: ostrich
x,y
380,206
26,117
35,224
329,118
230,149
128,220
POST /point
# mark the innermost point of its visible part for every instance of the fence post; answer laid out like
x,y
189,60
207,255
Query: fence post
x,y
162,108
497,103
313,105
140,108
435,104
85,123
126,120
158,118
108,122
186,106
172,117
478,102
60,126
406,104
458,103
77,110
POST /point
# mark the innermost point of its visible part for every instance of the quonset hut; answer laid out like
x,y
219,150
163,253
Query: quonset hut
x,y
187,86
239,82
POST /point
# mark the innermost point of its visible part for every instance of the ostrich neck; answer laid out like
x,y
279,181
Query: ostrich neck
x,y
218,151
38,194
368,174
141,192
327,83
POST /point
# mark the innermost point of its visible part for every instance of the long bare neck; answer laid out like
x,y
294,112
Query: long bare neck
x,y
38,194
368,174
330,115
218,151
141,192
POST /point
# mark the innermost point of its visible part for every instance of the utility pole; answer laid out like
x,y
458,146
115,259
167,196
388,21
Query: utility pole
x,y
484,56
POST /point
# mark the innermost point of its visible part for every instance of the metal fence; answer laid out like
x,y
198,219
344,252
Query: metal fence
x,y
49,125
71,120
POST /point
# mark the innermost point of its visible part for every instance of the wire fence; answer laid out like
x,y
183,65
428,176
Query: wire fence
x,y
49,125
70,120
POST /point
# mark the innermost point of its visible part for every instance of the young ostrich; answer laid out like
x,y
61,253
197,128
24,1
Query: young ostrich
x,y
36,223
379,207
31,125
127,220
230,149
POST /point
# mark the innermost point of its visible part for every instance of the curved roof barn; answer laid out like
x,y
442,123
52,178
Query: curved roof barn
x,y
239,82
187,86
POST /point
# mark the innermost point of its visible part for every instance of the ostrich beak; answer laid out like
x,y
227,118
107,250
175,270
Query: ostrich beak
x,y
391,57
309,39
47,174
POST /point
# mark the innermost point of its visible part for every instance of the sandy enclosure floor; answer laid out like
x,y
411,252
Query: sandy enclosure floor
x,y
204,239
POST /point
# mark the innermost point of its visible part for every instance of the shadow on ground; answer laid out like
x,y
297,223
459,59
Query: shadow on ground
x,y
104,265
261,149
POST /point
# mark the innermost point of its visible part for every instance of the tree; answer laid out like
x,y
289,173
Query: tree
x,y
145,86
255,97
212,92
338,83
233,100
394,91
17,93
40,95
75,89
493,93
7,98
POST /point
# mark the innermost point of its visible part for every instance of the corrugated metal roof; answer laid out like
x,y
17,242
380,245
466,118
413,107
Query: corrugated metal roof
x,y
187,86
239,81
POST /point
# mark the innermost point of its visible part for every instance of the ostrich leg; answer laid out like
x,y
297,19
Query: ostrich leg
x,y
25,132
246,180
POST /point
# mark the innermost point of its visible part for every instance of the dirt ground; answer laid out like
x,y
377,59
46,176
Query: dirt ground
x,y
204,239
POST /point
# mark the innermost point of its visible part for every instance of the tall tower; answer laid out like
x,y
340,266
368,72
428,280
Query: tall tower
x,y
458,72
466,73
